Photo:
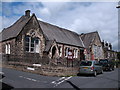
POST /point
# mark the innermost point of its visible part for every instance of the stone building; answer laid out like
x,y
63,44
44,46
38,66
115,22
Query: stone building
x,y
109,53
34,41
93,45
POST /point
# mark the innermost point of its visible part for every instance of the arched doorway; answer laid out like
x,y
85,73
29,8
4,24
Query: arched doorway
x,y
53,52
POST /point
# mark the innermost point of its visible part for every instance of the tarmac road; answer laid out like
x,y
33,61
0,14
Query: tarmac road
x,y
20,79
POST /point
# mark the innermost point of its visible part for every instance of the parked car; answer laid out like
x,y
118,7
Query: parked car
x,y
90,67
107,64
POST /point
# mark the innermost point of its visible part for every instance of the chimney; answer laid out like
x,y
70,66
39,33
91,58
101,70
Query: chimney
x,y
110,46
27,13
103,43
106,44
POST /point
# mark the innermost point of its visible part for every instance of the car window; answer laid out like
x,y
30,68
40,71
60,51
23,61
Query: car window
x,y
86,63
97,63
103,61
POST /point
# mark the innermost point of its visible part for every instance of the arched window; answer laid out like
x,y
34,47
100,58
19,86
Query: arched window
x,y
32,44
37,45
60,51
7,48
75,51
66,51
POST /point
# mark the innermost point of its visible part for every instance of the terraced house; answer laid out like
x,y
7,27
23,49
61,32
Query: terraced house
x,y
34,41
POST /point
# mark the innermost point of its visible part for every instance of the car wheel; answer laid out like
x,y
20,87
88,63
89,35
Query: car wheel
x,y
110,69
113,69
95,73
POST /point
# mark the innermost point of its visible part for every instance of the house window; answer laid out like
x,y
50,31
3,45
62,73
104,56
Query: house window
x,y
32,44
7,48
75,51
66,51
60,50
76,54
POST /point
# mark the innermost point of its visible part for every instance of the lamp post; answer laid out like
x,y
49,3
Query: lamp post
x,y
118,6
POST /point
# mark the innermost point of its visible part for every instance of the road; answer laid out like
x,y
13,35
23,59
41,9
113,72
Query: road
x,y
19,79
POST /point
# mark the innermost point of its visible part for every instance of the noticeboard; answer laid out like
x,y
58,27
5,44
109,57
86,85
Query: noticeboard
x,y
70,55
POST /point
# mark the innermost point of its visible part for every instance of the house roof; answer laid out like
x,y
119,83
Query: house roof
x,y
60,35
51,32
88,38
14,29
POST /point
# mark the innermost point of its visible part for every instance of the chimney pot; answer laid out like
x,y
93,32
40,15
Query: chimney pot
x,y
27,13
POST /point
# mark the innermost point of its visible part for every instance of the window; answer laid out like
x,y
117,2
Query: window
x,y
75,51
53,52
66,51
32,44
60,50
86,63
7,48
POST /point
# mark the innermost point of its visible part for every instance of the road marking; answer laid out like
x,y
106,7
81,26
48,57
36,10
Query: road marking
x,y
31,79
64,80
61,80
58,79
1,72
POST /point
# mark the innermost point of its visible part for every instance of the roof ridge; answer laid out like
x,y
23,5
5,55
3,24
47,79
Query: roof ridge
x,y
13,23
59,27
89,32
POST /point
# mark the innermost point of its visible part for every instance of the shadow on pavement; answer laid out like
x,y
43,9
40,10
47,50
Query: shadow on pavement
x,y
74,86
85,75
6,87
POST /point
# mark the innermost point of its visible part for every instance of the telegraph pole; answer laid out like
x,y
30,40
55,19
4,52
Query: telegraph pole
x,y
118,6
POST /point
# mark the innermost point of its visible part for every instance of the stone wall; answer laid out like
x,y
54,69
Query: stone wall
x,y
45,69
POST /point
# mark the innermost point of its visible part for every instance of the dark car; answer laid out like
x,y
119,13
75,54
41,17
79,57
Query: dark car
x,y
107,64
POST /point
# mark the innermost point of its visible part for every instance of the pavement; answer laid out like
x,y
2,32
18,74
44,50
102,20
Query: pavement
x,y
20,79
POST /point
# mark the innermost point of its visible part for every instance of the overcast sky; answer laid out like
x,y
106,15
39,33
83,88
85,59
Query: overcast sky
x,y
80,17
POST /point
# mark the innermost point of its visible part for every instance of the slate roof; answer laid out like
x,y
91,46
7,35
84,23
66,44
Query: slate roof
x,y
48,45
60,35
51,32
14,29
88,38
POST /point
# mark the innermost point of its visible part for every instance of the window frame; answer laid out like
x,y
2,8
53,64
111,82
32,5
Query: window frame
x,y
7,48
32,49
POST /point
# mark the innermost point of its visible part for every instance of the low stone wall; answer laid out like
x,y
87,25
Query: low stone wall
x,y
59,71
44,69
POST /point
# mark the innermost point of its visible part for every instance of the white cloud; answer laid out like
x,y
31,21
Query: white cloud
x,y
78,17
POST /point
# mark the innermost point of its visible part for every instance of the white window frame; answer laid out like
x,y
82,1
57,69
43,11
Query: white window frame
x,y
60,51
66,52
7,49
74,51
36,49
76,54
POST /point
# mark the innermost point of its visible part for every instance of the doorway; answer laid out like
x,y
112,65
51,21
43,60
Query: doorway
x,y
53,52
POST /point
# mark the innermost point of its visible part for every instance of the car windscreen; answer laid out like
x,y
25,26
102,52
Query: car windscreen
x,y
86,63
